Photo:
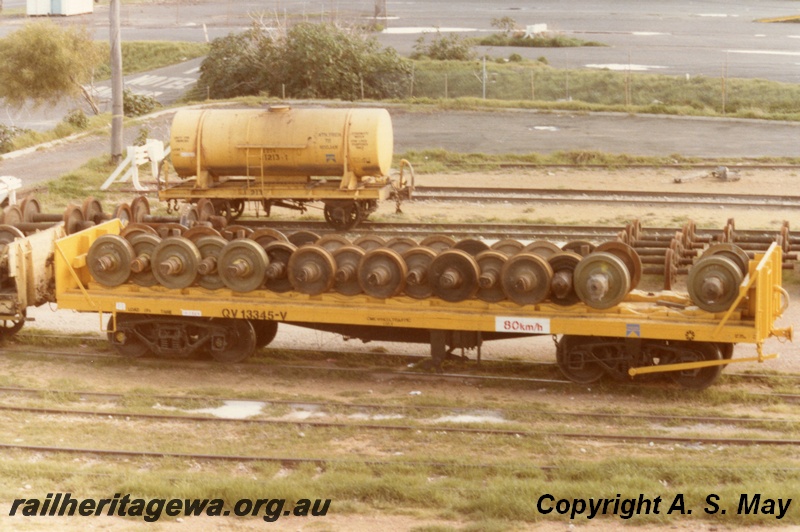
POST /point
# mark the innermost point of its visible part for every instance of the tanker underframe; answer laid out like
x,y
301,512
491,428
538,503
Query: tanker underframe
x,y
647,333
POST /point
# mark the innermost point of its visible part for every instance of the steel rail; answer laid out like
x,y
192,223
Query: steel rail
x,y
370,406
438,428
528,195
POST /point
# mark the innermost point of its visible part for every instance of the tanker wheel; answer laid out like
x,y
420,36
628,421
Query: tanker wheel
x,y
126,345
141,269
342,215
312,270
109,260
276,275
237,344
418,261
265,332
242,265
9,328
346,276
700,378
491,263
382,273
526,278
576,360
175,261
453,275
237,208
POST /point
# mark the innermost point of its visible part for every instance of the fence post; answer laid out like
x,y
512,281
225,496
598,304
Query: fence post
x,y
445,85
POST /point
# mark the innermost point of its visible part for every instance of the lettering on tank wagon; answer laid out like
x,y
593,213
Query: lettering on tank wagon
x,y
512,324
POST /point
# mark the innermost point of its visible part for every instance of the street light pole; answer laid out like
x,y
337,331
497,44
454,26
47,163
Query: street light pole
x,y
116,84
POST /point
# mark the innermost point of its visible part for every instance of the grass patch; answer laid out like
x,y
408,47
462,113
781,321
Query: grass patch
x,y
141,56
539,41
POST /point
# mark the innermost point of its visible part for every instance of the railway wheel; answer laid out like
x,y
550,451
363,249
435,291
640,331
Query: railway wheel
x,y
601,280
124,339
342,215
491,264
700,378
122,212
454,275
210,248
92,210
628,256
266,236
242,265
369,242
135,228
30,207
438,243
9,233
109,260
205,210
418,261
175,261
346,276
73,219
12,215
199,231
401,244
713,283
10,327
265,332
232,340
276,275
543,248
576,360
312,270
562,287
729,251
508,246
332,242
140,208
141,266
526,278
581,247
300,238
473,246
382,273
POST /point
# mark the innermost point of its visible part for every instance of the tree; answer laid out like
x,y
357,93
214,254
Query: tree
x,y
305,61
45,63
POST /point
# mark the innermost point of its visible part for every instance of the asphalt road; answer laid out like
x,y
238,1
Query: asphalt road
x,y
683,37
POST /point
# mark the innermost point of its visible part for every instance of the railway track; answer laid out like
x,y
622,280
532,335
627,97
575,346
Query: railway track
x,y
416,371
605,197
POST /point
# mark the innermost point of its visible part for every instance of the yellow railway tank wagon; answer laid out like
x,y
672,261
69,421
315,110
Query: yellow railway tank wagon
x,y
285,157
645,333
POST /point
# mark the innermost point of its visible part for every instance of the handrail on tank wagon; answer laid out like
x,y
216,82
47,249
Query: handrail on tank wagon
x,y
768,301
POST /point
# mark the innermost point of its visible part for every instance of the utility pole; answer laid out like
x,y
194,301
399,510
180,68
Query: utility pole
x,y
116,84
